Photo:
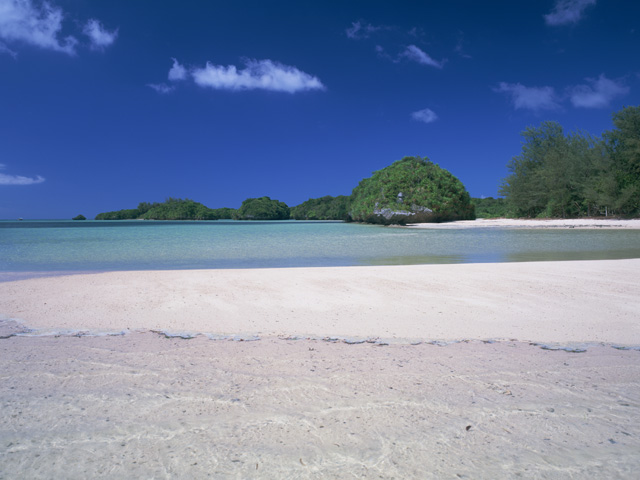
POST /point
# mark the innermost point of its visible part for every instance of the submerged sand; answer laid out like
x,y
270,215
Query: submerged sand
x,y
144,406
429,395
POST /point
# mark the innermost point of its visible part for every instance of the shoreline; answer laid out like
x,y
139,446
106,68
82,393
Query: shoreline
x,y
549,302
332,389
578,223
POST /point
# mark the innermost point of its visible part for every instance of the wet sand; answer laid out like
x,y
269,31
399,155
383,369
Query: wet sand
x,y
430,394
144,406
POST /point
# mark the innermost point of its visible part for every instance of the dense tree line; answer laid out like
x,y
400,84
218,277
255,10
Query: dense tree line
x,y
490,207
262,208
411,189
559,175
323,208
170,209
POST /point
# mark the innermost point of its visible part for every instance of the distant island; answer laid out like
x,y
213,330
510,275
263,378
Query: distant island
x,y
555,176
170,209
410,190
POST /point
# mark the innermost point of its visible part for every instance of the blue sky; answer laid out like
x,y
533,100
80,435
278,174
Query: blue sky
x,y
107,103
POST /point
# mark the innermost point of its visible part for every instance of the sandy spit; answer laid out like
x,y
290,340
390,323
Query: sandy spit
x,y
587,223
581,301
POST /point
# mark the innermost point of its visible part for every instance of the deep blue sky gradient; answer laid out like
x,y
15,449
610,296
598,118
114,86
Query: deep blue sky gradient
x,y
103,139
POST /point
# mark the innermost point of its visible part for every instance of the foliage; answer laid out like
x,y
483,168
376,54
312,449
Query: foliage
x,y
490,207
558,175
128,214
79,217
324,208
422,183
623,146
262,208
170,209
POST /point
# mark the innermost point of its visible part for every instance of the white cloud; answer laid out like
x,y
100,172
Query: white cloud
x,y
7,50
17,179
427,116
177,72
161,87
22,21
532,98
417,55
567,11
598,93
460,46
100,38
258,74
359,30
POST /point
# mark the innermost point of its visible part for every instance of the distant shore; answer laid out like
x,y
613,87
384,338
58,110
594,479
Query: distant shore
x,y
583,223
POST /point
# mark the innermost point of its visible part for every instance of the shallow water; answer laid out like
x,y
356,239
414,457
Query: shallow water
x,y
39,247
144,406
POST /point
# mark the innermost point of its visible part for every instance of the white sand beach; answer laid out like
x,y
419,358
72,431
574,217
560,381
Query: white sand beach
x,y
581,301
584,223
435,397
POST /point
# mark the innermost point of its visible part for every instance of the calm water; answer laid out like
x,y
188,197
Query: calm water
x,y
63,246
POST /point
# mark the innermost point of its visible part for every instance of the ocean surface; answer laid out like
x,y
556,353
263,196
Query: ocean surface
x,y
48,246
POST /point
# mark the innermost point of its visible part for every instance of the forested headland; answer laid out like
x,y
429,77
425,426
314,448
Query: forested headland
x,y
170,209
560,175
556,175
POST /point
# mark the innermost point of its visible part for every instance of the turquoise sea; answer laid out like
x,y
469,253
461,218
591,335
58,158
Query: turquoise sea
x,y
49,246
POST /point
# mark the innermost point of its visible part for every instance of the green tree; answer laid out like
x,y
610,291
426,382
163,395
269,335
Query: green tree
x,y
262,208
623,145
170,209
490,207
570,176
416,189
324,208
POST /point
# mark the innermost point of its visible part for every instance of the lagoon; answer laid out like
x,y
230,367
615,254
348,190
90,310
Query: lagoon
x,y
73,246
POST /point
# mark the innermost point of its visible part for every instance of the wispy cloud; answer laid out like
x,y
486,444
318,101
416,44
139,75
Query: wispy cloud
x,y
17,179
39,24
459,49
178,72
598,93
161,87
426,115
257,75
7,50
100,37
417,55
359,30
531,98
567,11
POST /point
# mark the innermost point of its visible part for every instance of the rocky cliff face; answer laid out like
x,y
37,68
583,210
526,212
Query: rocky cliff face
x,y
388,216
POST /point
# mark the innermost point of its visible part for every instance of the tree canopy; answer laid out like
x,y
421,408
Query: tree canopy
x,y
413,189
559,175
262,208
324,208
170,209
490,207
